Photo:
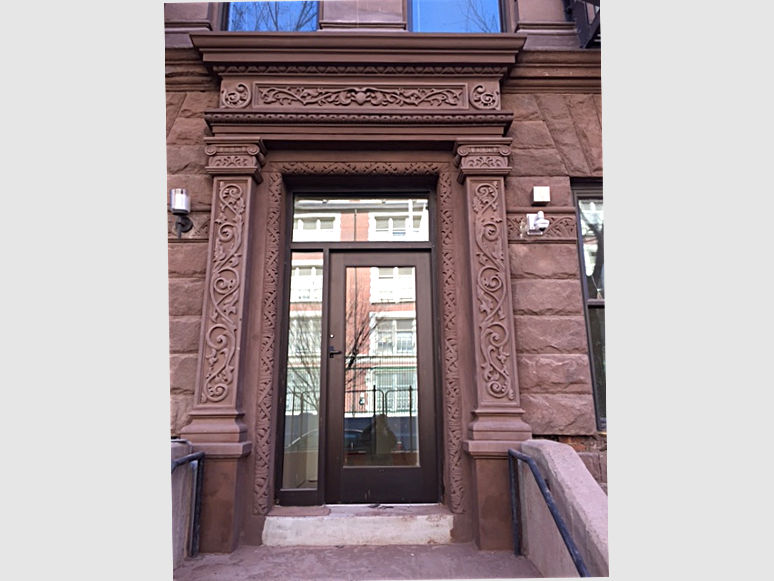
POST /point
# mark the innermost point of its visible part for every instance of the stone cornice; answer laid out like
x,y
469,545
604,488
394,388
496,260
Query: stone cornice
x,y
356,48
555,71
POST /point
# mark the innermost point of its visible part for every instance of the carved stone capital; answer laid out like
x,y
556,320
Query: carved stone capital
x,y
482,158
235,158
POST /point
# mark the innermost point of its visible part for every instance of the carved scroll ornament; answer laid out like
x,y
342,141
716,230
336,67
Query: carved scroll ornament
x,y
491,292
482,97
221,337
287,96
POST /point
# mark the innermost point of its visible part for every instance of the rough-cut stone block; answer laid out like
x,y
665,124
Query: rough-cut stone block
x,y
524,107
184,334
186,296
518,190
603,467
559,413
180,406
174,102
550,334
536,296
568,146
186,159
589,128
182,373
199,187
187,260
530,162
529,134
544,260
196,102
591,461
554,373
188,131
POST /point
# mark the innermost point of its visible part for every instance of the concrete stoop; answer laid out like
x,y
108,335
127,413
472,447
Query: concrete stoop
x,y
358,525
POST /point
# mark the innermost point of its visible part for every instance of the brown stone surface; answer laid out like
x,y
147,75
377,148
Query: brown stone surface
x,y
182,372
559,413
220,506
196,102
184,334
544,260
533,296
554,373
588,125
350,563
518,193
174,102
186,159
187,131
180,406
185,296
494,527
530,134
187,260
550,334
524,107
199,187
530,162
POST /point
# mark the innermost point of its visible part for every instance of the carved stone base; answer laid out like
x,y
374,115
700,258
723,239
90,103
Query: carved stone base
x,y
492,527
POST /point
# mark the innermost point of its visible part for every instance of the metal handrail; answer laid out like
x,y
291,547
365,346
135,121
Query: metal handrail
x,y
513,458
197,463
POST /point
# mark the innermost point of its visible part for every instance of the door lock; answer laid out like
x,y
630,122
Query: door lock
x,y
333,351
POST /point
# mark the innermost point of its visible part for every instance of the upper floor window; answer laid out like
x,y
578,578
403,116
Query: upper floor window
x,y
471,16
453,16
270,15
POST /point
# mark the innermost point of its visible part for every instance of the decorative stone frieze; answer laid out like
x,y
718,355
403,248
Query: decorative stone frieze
x,y
435,97
561,228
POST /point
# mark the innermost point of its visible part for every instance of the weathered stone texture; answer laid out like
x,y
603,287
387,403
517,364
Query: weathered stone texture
x,y
544,260
518,190
559,413
180,406
555,134
550,334
524,107
185,296
184,334
186,159
182,373
566,373
547,297
196,102
199,187
187,260
530,162
187,131
174,102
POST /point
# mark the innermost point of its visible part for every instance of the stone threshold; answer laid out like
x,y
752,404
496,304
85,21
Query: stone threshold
x,y
358,524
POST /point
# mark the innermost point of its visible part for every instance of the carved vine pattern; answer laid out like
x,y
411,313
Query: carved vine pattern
x,y
377,97
480,98
491,292
221,336
453,397
562,228
269,335
450,345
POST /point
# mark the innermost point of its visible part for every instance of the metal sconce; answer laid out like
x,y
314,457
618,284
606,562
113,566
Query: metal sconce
x,y
180,206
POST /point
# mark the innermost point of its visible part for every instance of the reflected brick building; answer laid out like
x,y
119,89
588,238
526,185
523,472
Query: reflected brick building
x,y
300,141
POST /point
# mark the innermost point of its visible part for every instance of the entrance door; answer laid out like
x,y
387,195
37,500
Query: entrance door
x,y
380,418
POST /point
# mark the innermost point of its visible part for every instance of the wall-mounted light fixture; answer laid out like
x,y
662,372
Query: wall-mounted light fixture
x,y
534,224
180,206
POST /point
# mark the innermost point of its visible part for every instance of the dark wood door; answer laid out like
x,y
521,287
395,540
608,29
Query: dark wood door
x,y
380,428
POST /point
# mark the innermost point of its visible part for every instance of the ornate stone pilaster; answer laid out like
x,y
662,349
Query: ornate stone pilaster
x,y
217,426
498,423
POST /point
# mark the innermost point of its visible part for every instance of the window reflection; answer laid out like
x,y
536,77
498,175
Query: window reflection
x,y
471,16
268,16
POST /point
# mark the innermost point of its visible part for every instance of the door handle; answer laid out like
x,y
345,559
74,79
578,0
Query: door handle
x,y
333,351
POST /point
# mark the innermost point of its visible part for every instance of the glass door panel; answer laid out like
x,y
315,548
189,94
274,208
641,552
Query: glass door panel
x,y
380,368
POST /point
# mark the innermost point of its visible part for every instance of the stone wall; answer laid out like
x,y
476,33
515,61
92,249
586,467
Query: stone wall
x,y
555,137
186,159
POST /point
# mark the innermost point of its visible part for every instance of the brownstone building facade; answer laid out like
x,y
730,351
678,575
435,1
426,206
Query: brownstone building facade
x,y
447,145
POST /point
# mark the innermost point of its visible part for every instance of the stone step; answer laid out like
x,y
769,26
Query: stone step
x,y
358,524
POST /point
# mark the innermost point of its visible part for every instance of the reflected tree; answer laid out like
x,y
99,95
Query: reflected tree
x,y
273,16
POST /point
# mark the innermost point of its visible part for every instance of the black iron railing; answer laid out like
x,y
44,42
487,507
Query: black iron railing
x,y
513,459
197,464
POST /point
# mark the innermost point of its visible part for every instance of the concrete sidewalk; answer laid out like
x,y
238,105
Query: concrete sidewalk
x,y
354,563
